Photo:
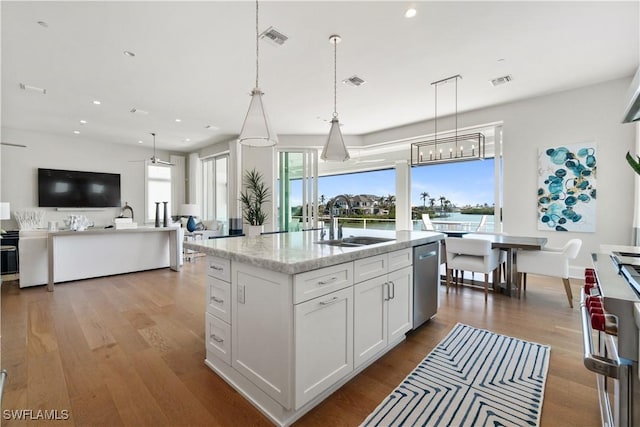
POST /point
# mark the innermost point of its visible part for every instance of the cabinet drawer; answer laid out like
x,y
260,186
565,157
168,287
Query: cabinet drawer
x,y
368,268
400,259
219,299
219,268
312,284
218,337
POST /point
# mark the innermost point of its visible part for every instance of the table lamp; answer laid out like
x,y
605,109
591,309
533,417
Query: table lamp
x,y
190,210
5,213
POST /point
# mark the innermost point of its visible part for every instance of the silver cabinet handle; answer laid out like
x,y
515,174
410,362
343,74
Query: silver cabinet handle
x,y
218,300
330,301
385,295
326,282
393,290
215,267
216,338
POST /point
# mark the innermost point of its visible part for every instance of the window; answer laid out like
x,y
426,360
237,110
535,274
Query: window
x,y
215,188
158,189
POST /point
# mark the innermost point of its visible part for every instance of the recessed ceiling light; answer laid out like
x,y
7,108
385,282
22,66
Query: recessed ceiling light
x,y
410,13
140,142
178,120
43,24
188,139
129,53
83,122
96,102
76,132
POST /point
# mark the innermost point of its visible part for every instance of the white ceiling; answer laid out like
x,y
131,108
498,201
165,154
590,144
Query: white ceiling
x,y
196,61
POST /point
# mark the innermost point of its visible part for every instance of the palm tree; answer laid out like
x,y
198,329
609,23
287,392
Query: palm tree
x,y
424,196
432,203
442,200
322,199
391,199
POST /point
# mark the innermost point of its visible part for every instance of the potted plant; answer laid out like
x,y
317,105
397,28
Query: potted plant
x,y
255,195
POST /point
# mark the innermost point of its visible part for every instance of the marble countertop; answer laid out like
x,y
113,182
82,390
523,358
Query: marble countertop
x,y
297,252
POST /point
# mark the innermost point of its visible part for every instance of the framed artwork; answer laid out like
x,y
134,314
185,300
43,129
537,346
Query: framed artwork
x,y
567,188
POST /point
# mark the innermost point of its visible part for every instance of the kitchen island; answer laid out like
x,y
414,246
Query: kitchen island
x,y
292,317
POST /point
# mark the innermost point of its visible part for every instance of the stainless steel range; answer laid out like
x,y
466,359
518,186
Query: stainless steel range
x,y
610,332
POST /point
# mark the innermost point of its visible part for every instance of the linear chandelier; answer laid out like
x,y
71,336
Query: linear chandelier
x,y
456,148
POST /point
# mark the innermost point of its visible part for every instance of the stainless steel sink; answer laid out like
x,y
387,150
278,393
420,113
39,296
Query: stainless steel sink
x,y
354,241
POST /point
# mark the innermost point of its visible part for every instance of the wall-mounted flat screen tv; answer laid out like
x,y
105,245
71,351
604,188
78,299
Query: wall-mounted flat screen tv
x,y
76,189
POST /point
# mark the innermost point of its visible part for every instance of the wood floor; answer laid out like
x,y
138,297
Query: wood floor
x,y
129,350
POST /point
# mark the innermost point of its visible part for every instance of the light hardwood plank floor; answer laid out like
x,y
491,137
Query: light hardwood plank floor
x,y
129,350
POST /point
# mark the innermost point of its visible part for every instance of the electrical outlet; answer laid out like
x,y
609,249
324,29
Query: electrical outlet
x,y
241,294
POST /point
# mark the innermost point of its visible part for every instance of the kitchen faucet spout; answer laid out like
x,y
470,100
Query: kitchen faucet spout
x,y
331,204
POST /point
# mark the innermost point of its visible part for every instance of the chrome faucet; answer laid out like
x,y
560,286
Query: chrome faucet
x,y
331,204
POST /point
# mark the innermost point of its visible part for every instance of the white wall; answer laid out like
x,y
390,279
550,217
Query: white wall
x,y
19,166
589,114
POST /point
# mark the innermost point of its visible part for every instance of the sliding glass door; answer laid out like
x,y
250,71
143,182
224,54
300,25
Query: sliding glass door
x,y
297,190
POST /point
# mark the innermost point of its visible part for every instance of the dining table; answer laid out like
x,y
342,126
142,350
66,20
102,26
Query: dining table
x,y
511,244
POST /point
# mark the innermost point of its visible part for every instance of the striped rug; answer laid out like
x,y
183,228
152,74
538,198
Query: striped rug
x,y
472,378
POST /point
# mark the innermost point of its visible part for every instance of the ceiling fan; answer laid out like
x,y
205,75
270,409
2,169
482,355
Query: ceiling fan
x,y
10,144
154,159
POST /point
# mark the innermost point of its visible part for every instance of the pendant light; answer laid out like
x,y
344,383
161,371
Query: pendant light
x,y
256,130
334,149
455,148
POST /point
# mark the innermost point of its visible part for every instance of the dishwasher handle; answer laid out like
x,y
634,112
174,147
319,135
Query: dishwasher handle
x,y
427,255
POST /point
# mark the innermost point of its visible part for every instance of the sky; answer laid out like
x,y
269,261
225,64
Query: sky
x,y
464,183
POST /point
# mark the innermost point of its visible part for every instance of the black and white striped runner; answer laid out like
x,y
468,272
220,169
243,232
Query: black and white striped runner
x,y
472,378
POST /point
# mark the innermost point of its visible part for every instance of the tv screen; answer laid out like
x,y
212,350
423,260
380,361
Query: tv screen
x,y
76,189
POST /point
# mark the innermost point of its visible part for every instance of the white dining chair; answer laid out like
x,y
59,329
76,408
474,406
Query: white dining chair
x,y
488,235
550,261
476,255
426,223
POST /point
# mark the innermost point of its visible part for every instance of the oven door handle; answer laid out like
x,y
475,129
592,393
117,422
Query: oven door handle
x,y
598,364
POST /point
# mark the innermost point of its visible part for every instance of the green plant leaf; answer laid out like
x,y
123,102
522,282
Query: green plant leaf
x,y
635,164
255,195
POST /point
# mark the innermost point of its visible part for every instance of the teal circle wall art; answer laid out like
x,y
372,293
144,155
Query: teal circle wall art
x,y
566,192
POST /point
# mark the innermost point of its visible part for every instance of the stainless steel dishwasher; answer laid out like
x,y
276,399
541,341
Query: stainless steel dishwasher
x,y
426,265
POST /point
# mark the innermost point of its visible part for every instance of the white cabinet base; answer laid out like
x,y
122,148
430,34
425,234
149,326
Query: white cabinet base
x,y
269,407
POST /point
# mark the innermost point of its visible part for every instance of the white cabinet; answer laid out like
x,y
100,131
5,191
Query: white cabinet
x,y
218,315
286,341
382,307
323,343
262,329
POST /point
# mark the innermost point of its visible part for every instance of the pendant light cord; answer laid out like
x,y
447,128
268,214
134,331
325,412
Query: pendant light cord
x,y
257,44
335,90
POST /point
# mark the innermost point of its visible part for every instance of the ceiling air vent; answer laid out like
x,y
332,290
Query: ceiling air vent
x,y
354,81
138,111
501,80
274,36
33,88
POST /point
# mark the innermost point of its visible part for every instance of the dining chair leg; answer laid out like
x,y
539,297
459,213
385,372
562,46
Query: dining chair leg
x,y
519,279
524,281
486,287
567,288
448,273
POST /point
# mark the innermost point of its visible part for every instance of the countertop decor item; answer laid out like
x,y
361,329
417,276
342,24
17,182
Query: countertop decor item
x,y
191,210
157,224
256,129
29,219
165,217
5,213
334,149
255,194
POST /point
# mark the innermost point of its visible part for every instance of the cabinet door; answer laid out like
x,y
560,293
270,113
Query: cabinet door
x,y
262,331
400,312
369,318
324,343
